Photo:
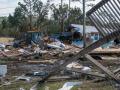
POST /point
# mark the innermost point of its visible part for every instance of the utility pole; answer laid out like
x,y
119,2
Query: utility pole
x,y
84,19
61,3
30,15
84,25
69,12
62,21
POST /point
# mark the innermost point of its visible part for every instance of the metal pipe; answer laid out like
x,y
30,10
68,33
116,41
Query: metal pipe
x,y
117,4
114,8
97,13
107,26
84,25
118,1
110,10
110,24
97,26
100,24
116,12
104,19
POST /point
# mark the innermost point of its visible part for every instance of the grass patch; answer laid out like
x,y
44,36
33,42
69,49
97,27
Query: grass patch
x,y
58,85
84,86
18,85
51,86
55,85
75,88
96,86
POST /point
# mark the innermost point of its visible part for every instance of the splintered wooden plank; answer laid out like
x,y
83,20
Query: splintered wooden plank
x,y
100,66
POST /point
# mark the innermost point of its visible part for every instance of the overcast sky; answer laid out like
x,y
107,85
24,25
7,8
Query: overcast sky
x,y
8,6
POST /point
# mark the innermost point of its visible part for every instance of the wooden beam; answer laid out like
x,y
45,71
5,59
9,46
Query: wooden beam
x,y
104,69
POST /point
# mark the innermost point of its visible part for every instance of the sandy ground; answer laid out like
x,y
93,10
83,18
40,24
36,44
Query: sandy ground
x,y
5,39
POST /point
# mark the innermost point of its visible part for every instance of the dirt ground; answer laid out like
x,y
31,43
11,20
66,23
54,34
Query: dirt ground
x,y
6,39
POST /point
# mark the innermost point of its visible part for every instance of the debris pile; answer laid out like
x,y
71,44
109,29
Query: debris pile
x,y
46,49
38,60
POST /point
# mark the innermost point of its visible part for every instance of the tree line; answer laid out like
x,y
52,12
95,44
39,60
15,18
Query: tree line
x,y
36,15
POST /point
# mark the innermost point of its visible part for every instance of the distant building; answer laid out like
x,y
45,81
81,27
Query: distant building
x,y
91,31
